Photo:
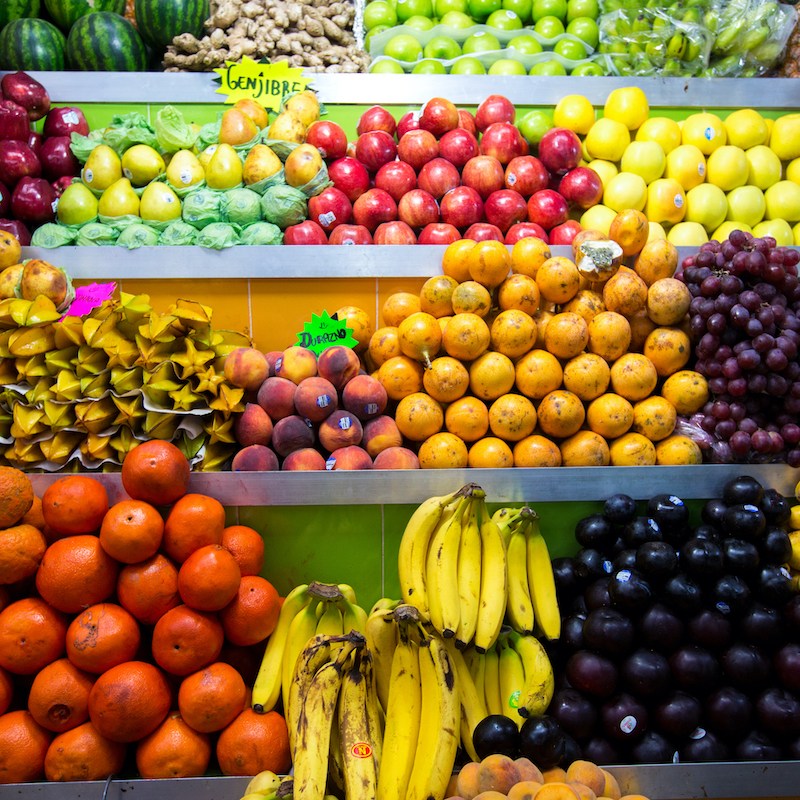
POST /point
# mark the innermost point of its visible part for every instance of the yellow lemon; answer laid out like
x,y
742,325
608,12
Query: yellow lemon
x,y
625,190
142,164
575,112
765,166
727,167
707,205
783,201
705,131
687,234
627,105
746,205
607,139
746,128
666,201
598,218
605,169
655,231
784,139
663,130
725,230
687,165
644,158
793,170
778,229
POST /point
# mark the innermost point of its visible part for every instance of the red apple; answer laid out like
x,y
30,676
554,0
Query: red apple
x,y
14,122
61,183
376,118
438,116
438,233
565,232
394,232
32,200
526,175
484,174
467,121
18,229
462,207
437,177
505,208
350,234
582,187
350,176
418,208
523,230
306,232
330,208
27,92
17,160
34,141
458,146
495,108
417,148
397,178
64,120
5,201
548,208
374,207
408,122
57,159
483,232
503,141
560,150
374,149
328,137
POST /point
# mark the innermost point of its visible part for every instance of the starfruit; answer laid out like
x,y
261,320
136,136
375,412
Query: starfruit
x,y
95,416
42,311
123,442
33,367
97,447
158,425
40,391
228,399
58,415
31,341
125,380
159,328
185,399
152,354
67,386
62,358
99,330
123,353
60,448
220,428
130,410
190,360
95,386
24,453
27,421
69,332
90,361
209,381
215,457
191,313
8,371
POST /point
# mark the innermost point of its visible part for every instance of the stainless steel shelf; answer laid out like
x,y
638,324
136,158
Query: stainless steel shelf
x,y
395,487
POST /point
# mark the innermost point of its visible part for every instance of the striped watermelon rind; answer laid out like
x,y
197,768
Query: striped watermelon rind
x,y
66,12
105,42
160,21
17,9
32,44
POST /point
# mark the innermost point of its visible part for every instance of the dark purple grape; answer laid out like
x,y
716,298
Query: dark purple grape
x,y
754,327
750,300
776,360
740,444
738,238
731,284
739,316
737,386
716,323
763,342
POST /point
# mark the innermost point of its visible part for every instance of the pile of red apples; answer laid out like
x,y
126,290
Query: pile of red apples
x,y
440,174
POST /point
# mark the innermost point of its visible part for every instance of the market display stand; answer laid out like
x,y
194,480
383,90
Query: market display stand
x,y
382,490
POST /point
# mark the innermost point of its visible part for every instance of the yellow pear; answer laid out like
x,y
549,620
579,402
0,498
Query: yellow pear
x,y
205,156
76,205
118,200
287,127
102,168
261,162
254,110
224,170
142,164
304,105
159,203
236,127
184,169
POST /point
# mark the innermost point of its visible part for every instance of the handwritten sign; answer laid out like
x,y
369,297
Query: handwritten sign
x,y
325,331
266,83
88,298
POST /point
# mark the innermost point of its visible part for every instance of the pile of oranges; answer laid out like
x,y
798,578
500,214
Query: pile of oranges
x,y
130,632
517,358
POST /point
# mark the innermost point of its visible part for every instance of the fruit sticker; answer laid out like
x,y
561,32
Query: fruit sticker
x,y
325,331
361,750
266,83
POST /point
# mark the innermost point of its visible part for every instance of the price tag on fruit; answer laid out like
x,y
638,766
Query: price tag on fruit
x,y
88,298
325,331
266,83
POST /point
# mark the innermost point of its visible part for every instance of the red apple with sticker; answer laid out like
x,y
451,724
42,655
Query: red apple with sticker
x,y
495,108
376,118
328,137
374,207
408,122
560,150
438,116
349,175
305,232
526,175
547,208
565,232
462,207
64,120
375,148
438,177
348,233
330,208
505,208
581,187
458,146
418,208
523,230
484,174
438,233
417,148
394,232
483,232
397,178
503,141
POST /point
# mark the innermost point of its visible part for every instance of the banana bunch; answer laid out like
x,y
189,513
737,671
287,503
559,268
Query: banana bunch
x,y
515,676
452,567
532,602
309,610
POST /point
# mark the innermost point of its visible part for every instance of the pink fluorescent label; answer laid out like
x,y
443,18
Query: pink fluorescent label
x,y
88,298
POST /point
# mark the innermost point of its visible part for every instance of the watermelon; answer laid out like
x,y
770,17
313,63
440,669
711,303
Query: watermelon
x,y
105,42
65,12
160,21
32,44
17,9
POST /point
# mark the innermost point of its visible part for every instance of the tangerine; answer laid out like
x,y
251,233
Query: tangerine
x,y
587,375
359,322
34,516
435,296
23,747
542,319
560,414
101,637
630,230
513,333
669,349
566,335
537,451
609,335
185,640
491,375
196,520
528,254
397,307
209,578
454,259
82,754
633,376
16,491
173,750
490,453
489,263
59,696
446,379
419,416
247,546
668,301
74,505
632,450
253,743
149,589
657,259
585,449
609,415
466,337
587,303
6,691
131,531
253,613
538,373
471,297
686,390
625,292
677,450
32,635
211,698
443,451
641,327
156,471
383,345
512,417
21,550
420,337
467,418
655,418
520,292
558,279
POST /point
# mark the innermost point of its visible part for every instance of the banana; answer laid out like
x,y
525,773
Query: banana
x,y
348,591
384,603
542,583
403,714
441,571
469,576
437,743
503,518
512,679
267,685
329,621
494,582
519,608
491,681
473,704
335,760
354,618
476,662
794,558
301,631
539,679
413,552
381,634
374,711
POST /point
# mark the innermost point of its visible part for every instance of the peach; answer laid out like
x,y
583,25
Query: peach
x,y
468,781
587,773
292,433
381,433
583,791
338,364
451,791
350,457
396,458
528,771
497,772
272,356
554,775
254,458
246,368
611,788
340,429
306,459
315,398
253,426
365,396
556,790
276,397
524,790
296,363
490,794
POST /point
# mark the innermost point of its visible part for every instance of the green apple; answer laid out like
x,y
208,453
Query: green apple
x,y
522,8
583,8
456,19
746,204
442,47
525,44
371,34
549,27
534,125
783,201
570,49
480,9
379,12
429,66
589,68
386,66
504,20
480,42
549,8
779,229
403,47
413,8
708,205
550,67
585,28
765,166
419,23
467,65
507,66
441,7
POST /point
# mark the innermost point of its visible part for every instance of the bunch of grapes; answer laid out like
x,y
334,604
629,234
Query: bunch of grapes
x,y
745,325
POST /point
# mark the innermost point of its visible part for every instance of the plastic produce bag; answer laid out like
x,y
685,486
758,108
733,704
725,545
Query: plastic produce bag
x,y
217,236
127,130
178,233
202,208
261,233
241,206
172,131
96,233
138,235
284,205
52,235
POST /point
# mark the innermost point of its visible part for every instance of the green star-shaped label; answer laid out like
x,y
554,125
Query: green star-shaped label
x,y
325,331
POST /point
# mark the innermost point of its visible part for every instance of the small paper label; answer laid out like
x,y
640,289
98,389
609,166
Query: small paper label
x,y
345,423
709,133
676,758
678,201
323,401
71,118
89,297
127,173
328,218
278,364
608,567
628,724
330,463
701,169
361,750
268,84
513,701
697,733
325,331
675,500
185,177
88,175
624,575
370,409
723,608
